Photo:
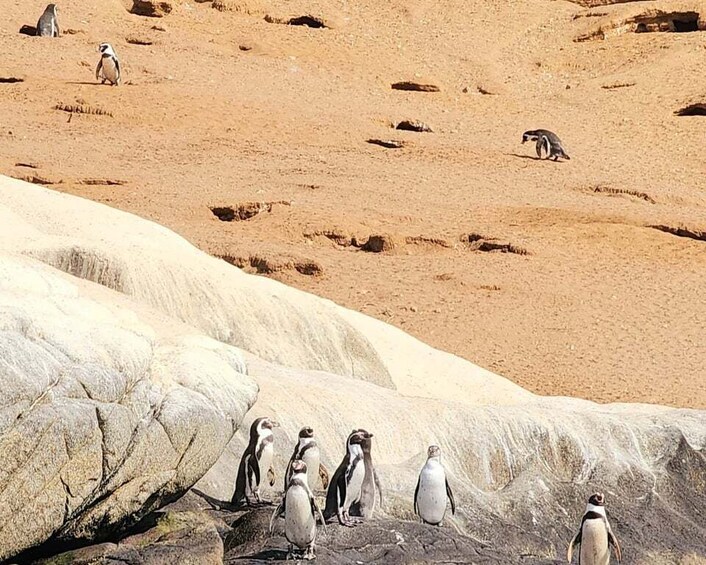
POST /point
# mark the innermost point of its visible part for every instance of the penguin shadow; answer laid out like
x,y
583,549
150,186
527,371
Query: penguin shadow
x,y
217,504
530,157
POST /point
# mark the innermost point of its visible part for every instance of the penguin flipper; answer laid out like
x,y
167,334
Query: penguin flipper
x,y
416,493
278,511
614,541
240,481
99,68
316,511
451,497
574,542
117,68
271,476
377,485
323,475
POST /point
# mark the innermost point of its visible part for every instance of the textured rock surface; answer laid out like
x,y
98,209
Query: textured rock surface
x,y
521,465
108,409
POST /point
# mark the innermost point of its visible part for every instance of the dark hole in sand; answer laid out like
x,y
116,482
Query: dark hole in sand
x,y
308,21
692,110
686,25
10,80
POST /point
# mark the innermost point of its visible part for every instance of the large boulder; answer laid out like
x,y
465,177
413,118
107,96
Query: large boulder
x,y
521,465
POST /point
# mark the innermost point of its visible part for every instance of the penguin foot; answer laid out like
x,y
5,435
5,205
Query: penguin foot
x,y
309,554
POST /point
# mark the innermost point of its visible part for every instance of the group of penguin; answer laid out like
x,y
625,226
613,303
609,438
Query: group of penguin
x,y
352,492
548,144
108,69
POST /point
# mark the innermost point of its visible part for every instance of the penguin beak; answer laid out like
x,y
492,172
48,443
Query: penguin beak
x,y
274,424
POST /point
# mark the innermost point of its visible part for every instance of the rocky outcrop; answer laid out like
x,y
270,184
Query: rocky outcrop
x,y
151,8
123,389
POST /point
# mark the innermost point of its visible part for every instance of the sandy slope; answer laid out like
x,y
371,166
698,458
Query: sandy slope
x,y
602,307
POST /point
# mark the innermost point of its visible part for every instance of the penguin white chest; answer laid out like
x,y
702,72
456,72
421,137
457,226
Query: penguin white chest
x,y
354,484
431,498
299,521
594,543
312,458
265,461
110,70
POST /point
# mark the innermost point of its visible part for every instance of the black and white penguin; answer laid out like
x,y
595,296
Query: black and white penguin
x,y
594,536
48,24
308,451
346,484
108,68
432,490
371,484
300,512
548,144
256,460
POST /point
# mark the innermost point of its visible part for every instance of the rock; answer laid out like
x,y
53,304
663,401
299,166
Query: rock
x,y
188,538
151,8
413,125
110,409
249,7
387,143
379,244
136,304
415,86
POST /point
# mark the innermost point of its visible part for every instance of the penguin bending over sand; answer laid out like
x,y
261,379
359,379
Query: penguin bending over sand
x,y
308,451
300,512
432,490
48,25
256,460
346,485
594,536
108,68
548,144
371,484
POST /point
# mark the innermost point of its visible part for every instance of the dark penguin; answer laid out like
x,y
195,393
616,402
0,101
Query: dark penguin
x,y
300,512
346,485
594,536
256,460
432,490
48,25
548,144
371,483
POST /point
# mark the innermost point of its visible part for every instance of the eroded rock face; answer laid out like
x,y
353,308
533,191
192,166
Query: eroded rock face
x,y
107,410
151,8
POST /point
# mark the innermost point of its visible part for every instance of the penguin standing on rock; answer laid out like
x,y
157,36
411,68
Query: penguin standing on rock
x,y
300,512
346,485
594,536
548,144
256,460
432,490
371,484
108,68
308,451
48,25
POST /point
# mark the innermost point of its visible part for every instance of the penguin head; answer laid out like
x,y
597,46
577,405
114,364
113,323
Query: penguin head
x,y
261,424
306,432
106,49
597,499
434,451
526,136
52,8
357,437
298,466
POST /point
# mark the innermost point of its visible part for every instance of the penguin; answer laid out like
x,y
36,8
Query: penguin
x,y
548,144
300,512
346,485
48,25
432,490
594,536
371,483
108,68
256,459
308,451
